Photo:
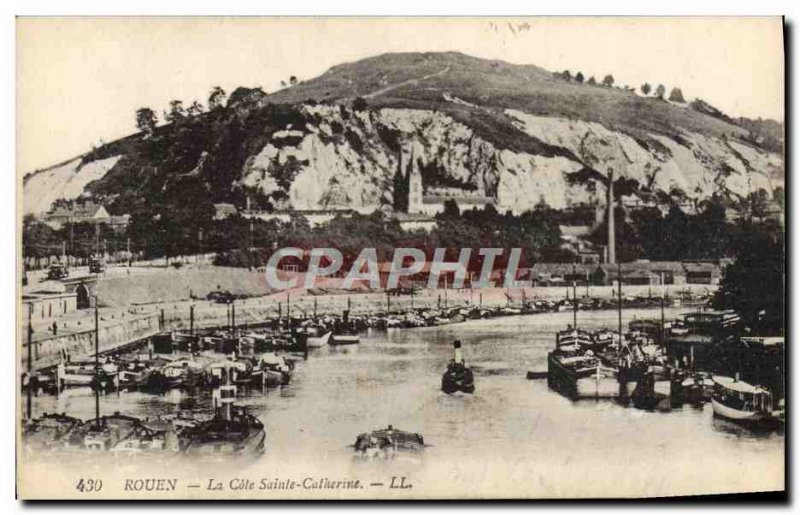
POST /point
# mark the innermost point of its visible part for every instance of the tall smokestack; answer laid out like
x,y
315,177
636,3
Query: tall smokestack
x,y
457,356
612,242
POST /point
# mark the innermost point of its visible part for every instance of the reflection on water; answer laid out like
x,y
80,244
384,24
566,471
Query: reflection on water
x,y
510,423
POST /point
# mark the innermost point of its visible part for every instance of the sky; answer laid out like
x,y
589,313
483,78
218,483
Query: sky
x,y
80,80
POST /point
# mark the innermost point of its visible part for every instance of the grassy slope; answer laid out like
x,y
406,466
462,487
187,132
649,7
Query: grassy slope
x,y
410,80
499,85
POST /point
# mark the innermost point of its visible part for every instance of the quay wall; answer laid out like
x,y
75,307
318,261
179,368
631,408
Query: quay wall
x,y
143,322
80,345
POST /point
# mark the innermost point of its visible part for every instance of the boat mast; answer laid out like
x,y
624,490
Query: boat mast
x,y
96,362
574,300
30,359
663,286
619,303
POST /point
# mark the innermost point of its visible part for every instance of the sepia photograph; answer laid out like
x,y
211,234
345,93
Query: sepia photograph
x,y
400,258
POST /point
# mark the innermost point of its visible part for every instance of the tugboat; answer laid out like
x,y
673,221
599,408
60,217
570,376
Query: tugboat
x,y
388,443
231,432
344,331
739,401
458,377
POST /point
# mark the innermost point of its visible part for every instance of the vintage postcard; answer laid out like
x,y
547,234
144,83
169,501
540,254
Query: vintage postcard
x,y
400,258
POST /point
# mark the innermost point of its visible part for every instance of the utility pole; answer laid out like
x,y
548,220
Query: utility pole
x,y
252,247
612,251
71,237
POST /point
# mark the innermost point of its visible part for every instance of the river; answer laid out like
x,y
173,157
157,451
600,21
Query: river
x,y
512,438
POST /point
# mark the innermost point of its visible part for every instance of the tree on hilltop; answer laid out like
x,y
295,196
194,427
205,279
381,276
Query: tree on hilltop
x,y
646,89
676,95
195,109
608,80
660,90
579,77
176,112
146,120
216,99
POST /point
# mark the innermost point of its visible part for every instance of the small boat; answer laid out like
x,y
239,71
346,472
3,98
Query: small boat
x,y
231,432
737,400
235,371
105,433
458,377
345,331
272,370
51,430
82,373
316,342
575,371
388,443
582,376
645,395
344,339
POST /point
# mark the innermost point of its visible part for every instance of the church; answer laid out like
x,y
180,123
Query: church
x,y
424,201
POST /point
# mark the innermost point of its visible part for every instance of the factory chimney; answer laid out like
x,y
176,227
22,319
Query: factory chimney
x,y
612,254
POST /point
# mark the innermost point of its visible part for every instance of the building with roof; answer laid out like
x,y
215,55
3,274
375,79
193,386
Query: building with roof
x,y
559,274
48,301
702,272
433,203
644,272
78,211
411,222
224,210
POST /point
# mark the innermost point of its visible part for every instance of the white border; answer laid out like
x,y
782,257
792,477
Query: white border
x,y
9,9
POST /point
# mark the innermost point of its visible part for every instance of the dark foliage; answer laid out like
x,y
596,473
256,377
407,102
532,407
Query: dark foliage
x,y
754,284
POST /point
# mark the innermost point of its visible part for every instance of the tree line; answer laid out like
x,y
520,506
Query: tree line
x,y
675,95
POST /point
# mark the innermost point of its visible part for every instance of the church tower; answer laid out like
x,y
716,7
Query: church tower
x,y
414,186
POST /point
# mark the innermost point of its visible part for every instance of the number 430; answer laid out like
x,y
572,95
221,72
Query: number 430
x,y
89,485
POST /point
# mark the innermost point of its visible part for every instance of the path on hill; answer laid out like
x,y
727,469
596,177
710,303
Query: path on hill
x,y
409,82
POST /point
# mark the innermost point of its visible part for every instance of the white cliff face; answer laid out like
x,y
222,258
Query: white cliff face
x,y
66,181
699,167
344,160
347,159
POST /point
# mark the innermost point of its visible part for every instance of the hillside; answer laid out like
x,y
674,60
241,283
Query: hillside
x,y
512,132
